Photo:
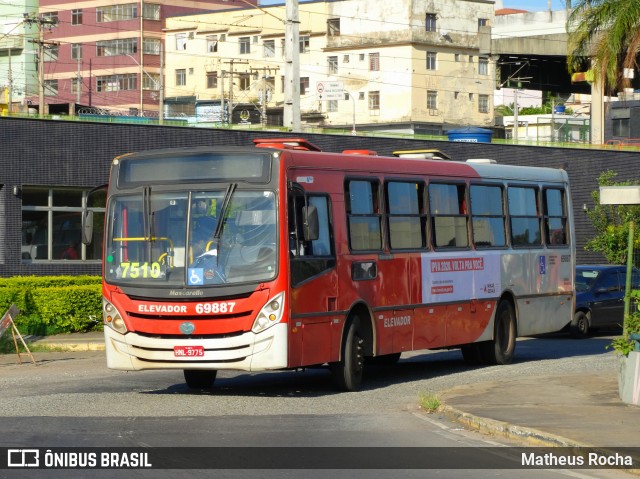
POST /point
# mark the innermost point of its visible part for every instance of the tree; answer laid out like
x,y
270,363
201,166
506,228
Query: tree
x,y
606,32
611,223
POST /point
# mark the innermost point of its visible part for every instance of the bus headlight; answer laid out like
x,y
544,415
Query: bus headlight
x,y
270,314
112,318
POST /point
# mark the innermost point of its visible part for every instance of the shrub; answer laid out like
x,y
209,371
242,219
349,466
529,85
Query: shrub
x,y
53,304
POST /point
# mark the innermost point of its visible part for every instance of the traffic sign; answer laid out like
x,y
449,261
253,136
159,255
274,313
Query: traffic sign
x,y
330,90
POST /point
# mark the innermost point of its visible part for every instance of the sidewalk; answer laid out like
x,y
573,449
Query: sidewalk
x,y
549,410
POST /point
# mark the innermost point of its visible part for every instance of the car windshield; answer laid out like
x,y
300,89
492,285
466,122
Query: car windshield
x,y
191,238
585,279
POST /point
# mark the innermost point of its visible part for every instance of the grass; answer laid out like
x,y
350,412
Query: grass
x,y
430,402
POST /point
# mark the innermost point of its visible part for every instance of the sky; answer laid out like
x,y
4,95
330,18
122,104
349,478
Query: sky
x,y
531,5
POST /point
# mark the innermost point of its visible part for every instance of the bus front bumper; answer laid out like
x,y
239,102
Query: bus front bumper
x,y
266,350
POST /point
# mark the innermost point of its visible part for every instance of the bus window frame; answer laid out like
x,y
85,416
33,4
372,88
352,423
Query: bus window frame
x,y
432,216
505,215
378,212
423,213
537,189
564,218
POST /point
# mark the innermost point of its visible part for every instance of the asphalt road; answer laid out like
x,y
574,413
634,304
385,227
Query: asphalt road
x,y
73,400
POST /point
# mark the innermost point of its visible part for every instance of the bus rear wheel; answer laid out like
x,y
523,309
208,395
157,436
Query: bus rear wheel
x,y
501,349
347,373
200,378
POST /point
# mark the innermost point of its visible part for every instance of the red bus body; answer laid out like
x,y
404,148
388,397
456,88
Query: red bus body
x,y
360,303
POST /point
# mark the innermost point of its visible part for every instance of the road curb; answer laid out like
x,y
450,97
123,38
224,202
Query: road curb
x,y
531,436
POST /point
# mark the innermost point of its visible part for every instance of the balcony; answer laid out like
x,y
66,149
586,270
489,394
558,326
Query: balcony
x,y
11,42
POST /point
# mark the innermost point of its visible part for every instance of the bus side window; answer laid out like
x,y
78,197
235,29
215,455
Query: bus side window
x,y
449,215
524,215
555,217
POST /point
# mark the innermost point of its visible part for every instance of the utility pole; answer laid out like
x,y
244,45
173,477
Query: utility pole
x,y
40,23
161,88
231,63
79,83
292,67
263,109
10,100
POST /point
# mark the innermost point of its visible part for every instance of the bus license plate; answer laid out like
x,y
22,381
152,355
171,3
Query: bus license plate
x,y
188,351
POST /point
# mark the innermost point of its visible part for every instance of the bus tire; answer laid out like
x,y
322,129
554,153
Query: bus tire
x,y
347,373
501,348
200,378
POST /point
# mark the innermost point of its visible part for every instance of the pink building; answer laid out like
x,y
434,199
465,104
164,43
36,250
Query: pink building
x,y
108,57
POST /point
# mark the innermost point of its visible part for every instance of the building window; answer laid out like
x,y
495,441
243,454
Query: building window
x,y
333,27
51,87
244,81
483,22
151,81
269,48
50,18
620,127
374,62
51,53
181,77
116,13
151,11
212,79
152,46
304,44
212,43
76,51
431,60
432,100
245,45
483,66
181,41
333,65
483,103
361,95
374,102
108,48
117,82
76,16
332,106
430,23
51,224
304,85
346,58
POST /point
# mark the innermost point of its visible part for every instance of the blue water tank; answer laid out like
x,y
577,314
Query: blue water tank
x,y
470,135
560,109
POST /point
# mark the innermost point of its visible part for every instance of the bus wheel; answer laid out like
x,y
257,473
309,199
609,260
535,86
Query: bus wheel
x,y
200,378
347,373
502,348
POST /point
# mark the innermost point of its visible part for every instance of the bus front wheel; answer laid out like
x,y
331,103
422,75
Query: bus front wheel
x,y
347,373
200,378
501,349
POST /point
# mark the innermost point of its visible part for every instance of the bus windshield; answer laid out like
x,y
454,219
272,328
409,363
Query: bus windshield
x,y
191,238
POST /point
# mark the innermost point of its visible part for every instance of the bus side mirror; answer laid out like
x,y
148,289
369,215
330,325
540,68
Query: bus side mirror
x,y
311,226
87,227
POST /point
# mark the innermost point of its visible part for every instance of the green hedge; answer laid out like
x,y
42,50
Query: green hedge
x,y
53,304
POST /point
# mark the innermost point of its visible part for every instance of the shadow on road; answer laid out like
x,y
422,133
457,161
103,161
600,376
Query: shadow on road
x,y
412,367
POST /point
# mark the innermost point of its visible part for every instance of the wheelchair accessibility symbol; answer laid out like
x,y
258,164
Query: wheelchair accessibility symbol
x,y
196,276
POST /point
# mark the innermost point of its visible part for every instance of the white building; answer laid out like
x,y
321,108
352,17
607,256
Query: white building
x,y
418,66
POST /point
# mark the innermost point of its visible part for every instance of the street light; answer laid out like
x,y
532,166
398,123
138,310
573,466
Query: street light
x,y
292,62
157,82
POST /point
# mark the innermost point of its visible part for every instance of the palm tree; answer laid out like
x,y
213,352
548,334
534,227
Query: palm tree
x,y
606,32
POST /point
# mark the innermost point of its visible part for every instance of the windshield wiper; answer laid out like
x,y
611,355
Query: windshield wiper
x,y
223,211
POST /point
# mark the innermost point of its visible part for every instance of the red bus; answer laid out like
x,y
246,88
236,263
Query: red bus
x,y
285,257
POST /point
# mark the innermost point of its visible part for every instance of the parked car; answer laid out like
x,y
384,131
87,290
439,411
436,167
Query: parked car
x,y
600,297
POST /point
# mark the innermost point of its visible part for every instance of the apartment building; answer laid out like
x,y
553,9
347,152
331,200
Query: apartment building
x,y
412,66
105,55
18,61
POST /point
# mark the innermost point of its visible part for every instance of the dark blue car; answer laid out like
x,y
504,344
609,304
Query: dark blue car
x,y
600,297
